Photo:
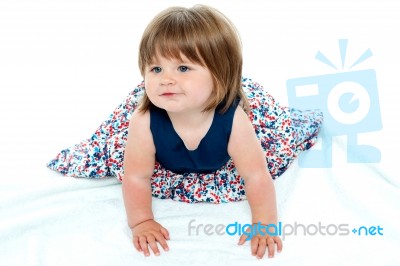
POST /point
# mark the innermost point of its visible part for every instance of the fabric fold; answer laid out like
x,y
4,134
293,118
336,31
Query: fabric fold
x,y
283,132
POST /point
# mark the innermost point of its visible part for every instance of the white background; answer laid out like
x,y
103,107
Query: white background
x,y
65,65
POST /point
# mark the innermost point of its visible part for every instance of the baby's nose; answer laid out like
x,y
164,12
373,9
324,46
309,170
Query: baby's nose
x,y
167,78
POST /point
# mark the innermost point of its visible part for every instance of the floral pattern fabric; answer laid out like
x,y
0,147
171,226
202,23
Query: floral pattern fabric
x,y
283,132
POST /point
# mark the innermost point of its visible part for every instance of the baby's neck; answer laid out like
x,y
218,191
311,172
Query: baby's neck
x,y
191,120
192,128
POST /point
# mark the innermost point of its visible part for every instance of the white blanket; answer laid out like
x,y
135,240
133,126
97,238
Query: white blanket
x,y
48,219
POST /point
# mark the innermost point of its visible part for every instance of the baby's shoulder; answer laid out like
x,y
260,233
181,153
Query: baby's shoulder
x,y
242,127
140,119
240,117
139,115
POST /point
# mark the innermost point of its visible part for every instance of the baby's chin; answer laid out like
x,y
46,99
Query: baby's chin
x,y
178,104
170,107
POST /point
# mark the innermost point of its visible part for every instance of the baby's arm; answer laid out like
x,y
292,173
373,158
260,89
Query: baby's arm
x,y
139,162
249,158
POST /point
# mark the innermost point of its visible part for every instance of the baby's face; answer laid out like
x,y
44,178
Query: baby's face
x,y
178,85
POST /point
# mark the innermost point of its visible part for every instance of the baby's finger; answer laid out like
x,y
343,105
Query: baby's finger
x,y
153,245
278,242
165,232
242,239
143,245
271,247
160,238
136,243
254,245
262,245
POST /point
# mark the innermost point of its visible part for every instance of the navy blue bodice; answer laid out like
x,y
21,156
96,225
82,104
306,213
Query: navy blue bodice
x,y
210,155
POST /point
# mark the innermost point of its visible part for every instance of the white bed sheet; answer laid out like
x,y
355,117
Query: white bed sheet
x,y
48,219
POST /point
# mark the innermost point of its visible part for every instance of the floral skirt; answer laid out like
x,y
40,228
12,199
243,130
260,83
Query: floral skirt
x,y
282,131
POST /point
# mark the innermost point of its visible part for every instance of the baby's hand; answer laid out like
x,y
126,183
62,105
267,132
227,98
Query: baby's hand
x,y
259,243
148,233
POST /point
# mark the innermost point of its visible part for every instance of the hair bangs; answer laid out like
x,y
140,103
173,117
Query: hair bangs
x,y
171,37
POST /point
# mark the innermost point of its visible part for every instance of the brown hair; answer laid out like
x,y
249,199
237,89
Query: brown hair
x,y
206,37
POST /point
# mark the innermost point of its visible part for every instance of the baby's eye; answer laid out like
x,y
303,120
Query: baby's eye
x,y
183,68
156,69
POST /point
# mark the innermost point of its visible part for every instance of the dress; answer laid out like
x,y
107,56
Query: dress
x,y
211,153
282,131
